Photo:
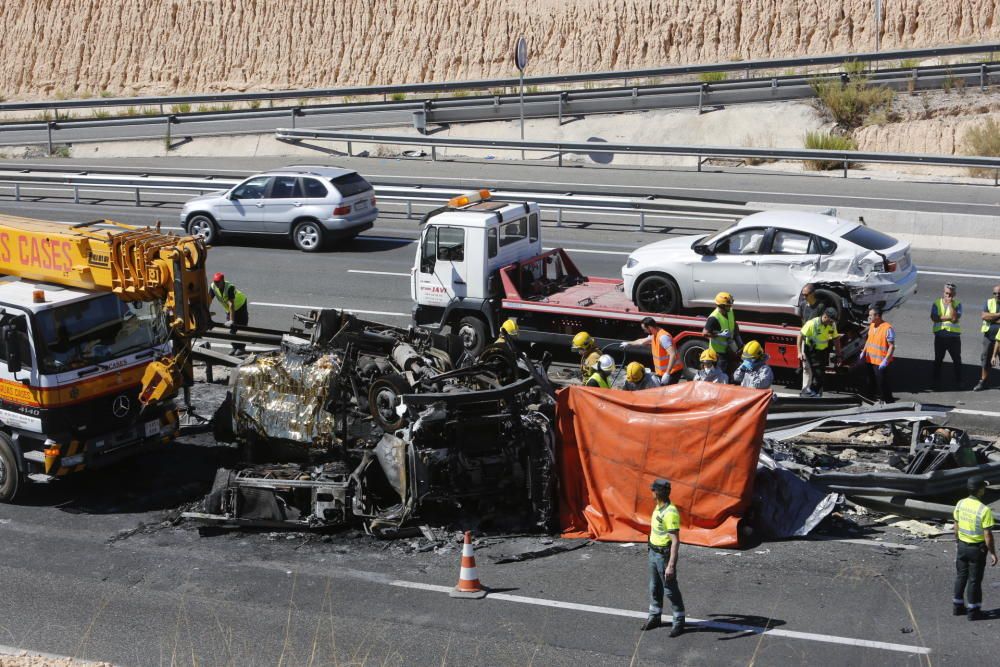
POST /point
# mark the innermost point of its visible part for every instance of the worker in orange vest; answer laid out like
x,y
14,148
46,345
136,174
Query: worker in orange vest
x,y
878,353
667,364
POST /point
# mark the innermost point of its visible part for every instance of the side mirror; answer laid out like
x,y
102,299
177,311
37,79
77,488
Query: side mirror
x,y
10,342
702,249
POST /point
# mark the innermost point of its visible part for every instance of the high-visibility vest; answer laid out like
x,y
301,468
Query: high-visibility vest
x,y
877,345
665,518
817,334
953,327
991,307
971,518
239,298
720,343
601,380
661,356
589,363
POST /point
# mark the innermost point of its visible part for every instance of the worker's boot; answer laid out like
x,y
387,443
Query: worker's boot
x,y
653,621
980,386
975,614
678,627
958,609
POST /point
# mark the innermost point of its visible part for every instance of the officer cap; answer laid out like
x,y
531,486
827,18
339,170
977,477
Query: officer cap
x,y
976,482
831,313
661,485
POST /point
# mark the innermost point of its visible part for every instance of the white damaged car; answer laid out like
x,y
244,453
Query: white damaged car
x,y
766,258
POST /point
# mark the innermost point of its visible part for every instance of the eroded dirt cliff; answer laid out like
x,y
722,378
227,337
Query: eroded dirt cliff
x,y
55,48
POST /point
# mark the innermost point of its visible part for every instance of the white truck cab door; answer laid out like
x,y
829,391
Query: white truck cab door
x,y
441,274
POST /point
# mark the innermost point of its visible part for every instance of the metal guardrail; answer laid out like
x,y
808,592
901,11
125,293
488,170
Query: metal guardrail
x,y
537,105
420,195
559,149
481,84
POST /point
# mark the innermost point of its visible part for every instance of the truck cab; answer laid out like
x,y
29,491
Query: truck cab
x,y
454,281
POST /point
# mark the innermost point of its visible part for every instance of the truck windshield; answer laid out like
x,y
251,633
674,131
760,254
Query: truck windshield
x,y
90,332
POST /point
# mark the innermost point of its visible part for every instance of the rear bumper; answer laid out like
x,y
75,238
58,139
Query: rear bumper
x,y
351,225
884,292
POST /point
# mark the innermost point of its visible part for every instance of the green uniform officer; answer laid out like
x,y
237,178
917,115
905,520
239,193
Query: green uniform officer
x,y
664,545
973,524
236,305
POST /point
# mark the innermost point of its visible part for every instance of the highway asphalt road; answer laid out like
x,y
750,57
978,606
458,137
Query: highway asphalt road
x,y
99,567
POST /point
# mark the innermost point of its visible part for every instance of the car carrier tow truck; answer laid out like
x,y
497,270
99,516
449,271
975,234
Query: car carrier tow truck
x,y
96,325
481,261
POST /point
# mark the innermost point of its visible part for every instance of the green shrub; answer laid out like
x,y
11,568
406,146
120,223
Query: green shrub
x,y
853,67
150,111
61,151
850,103
712,77
106,93
254,104
180,108
465,93
131,111
909,63
101,113
982,140
399,97
827,142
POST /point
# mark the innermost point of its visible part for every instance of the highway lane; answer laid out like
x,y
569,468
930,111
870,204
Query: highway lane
x,y
370,276
713,183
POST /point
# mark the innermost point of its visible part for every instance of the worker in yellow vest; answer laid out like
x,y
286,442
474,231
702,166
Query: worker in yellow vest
x,y
722,332
663,549
945,314
585,345
813,343
236,305
601,376
878,353
991,334
973,532
667,365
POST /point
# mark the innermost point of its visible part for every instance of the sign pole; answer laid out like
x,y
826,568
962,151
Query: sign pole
x,y
521,62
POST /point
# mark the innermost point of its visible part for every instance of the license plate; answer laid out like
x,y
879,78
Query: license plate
x,y
361,206
152,428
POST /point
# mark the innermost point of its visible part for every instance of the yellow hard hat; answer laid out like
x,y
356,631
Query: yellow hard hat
x,y
582,341
723,299
709,355
634,371
753,350
510,327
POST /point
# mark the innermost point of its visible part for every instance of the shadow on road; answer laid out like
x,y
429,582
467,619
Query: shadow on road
x,y
735,626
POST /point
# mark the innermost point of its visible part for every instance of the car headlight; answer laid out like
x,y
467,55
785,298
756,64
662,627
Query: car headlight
x,y
632,261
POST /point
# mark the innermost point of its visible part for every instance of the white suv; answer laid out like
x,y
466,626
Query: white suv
x,y
310,204
765,259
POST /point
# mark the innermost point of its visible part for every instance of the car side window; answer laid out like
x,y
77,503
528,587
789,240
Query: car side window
x,y
822,246
743,242
285,187
533,227
252,189
314,189
491,243
790,243
513,232
451,244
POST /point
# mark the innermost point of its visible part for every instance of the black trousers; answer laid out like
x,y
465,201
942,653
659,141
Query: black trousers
x,y
952,345
241,317
818,361
970,562
878,379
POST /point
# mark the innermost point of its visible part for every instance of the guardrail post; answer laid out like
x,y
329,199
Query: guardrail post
x,y
50,126
17,192
699,162
563,98
559,154
642,220
138,201
434,153
702,91
846,163
295,112
774,82
350,149
170,119
409,209
983,77
558,217
76,194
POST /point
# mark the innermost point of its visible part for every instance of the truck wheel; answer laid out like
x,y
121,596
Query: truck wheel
x,y
10,476
308,236
472,331
203,227
690,351
382,400
657,294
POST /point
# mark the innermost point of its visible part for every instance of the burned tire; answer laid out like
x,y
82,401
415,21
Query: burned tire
x,y
690,351
382,400
10,475
657,293
472,331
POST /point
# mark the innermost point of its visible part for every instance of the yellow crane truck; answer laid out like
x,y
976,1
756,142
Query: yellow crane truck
x,y
96,326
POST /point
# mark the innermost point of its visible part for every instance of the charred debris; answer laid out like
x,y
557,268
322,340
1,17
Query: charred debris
x,y
355,422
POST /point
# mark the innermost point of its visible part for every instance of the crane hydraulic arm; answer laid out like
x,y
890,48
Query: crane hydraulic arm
x,y
134,263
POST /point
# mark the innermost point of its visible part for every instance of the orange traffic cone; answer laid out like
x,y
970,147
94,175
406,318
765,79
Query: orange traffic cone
x,y
468,585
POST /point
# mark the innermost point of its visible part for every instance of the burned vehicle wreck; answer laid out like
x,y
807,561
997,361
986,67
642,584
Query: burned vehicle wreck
x,y
356,422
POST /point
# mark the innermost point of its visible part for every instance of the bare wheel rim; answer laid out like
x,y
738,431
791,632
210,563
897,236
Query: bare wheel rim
x,y
307,236
468,335
385,404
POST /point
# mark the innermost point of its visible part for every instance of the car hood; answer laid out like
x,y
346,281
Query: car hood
x,y
215,194
660,248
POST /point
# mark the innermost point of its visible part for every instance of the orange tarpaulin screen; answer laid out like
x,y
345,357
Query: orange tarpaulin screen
x,y
704,437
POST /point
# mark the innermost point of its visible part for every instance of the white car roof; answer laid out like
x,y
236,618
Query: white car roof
x,y
811,223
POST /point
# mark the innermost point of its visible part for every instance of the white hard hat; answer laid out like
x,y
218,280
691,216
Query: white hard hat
x,y
606,363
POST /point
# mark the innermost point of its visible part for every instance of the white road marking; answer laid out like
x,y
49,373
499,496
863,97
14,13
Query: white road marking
x,y
14,651
593,252
379,273
875,543
959,275
966,411
350,310
631,613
